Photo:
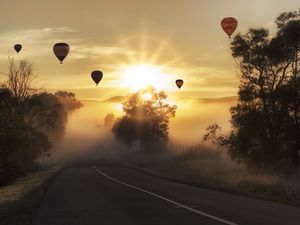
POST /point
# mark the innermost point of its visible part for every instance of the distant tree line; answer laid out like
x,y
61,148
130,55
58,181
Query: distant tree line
x,y
266,119
109,121
30,120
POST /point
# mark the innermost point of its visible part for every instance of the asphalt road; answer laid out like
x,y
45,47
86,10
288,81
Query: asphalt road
x,y
111,194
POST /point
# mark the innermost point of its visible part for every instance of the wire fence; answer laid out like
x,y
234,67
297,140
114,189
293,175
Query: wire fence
x,y
176,147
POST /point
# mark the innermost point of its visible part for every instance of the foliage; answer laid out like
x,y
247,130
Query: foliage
x,y
212,134
146,119
20,143
68,100
266,119
30,121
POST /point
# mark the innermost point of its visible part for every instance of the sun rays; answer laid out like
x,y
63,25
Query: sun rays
x,y
150,61
140,76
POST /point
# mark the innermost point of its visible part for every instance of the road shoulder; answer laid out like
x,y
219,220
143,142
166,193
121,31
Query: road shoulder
x,y
19,201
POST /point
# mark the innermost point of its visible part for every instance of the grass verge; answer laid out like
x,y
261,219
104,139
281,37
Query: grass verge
x,y
212,169
19,201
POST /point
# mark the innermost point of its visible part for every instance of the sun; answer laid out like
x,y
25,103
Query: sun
x,y
148,61
140,76
147,96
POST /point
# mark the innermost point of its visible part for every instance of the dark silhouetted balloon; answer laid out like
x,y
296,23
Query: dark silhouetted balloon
x,y
97,76
229,25
18,47
179,83
61,51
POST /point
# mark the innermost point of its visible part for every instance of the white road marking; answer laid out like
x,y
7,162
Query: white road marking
x,y
179,205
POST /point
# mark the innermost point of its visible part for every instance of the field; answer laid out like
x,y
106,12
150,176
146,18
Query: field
x,y
213,169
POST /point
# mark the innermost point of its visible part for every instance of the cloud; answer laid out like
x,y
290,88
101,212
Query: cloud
x,y
115,99
270,24
36,42
203,58
33,35
222,46
59,29
80,51
227,99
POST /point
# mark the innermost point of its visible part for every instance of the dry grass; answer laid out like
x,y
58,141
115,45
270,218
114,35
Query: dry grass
x,y
213,169
19,201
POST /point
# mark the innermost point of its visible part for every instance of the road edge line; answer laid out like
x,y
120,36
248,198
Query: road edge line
x,y
166,199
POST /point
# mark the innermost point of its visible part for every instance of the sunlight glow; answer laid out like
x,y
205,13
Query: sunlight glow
x,y
147,96
142,75
119,107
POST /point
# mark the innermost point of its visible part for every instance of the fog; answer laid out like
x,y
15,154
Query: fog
x,y
85,128
193,117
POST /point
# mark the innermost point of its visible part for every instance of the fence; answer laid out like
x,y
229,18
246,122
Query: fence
x,y
175,147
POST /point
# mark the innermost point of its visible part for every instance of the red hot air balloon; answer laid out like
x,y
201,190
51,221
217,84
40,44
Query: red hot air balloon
x,y
179,83
97,76
18,47
229,25
61,51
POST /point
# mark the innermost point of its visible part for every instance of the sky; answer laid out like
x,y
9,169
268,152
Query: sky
x,y
171,38
134,43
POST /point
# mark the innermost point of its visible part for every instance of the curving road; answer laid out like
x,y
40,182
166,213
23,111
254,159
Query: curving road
x,y
110,194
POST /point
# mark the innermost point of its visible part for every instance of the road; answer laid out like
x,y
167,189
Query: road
x,y
111,194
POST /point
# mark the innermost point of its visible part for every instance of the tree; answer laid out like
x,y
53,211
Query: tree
x,y
20,143
30,120
109,121
46,114
212,134
267,116
68,100
20,78
146,118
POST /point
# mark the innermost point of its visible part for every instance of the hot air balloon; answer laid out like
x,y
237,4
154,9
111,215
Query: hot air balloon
x,y
229,24
97,76
18,47
179,83
61,51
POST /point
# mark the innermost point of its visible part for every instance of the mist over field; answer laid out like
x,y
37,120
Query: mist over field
x,y
195,115
86,129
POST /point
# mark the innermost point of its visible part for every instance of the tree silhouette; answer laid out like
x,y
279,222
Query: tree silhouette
x,y
267,116
68,100
109,121
20,79
30,120
146,119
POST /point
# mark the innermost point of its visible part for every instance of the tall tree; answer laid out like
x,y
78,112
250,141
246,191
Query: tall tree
x,y
30,120
266,118
146,118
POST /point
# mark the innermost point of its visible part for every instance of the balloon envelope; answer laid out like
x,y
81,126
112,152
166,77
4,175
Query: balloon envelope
x,y
179,83
18,47
229,25
97,76
61,51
